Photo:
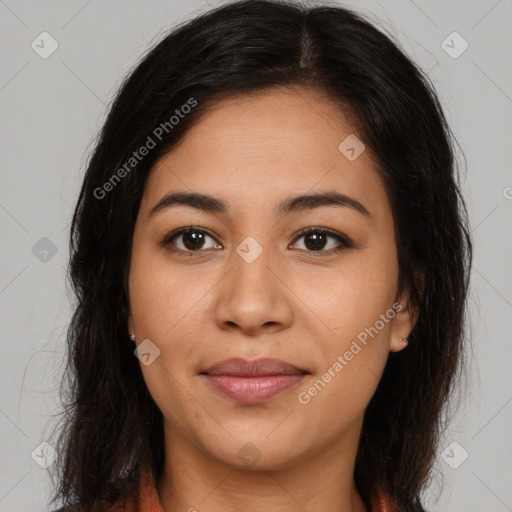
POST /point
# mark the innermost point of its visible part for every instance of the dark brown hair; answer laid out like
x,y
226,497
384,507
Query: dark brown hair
x,y
111,427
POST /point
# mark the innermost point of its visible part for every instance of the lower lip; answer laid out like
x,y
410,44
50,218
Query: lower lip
x,y
253,389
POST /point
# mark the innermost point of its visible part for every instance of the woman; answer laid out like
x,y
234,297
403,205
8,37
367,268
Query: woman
x,y
271,214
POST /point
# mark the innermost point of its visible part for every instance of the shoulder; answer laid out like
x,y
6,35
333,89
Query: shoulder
x,y
70,508
117,507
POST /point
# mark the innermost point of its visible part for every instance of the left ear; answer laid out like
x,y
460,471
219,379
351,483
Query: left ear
x,y
405,319
129,324
403,324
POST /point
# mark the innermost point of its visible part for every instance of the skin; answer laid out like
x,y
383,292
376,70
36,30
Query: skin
x,y
293,303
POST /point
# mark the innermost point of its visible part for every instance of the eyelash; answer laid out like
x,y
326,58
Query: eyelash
x,y
345,242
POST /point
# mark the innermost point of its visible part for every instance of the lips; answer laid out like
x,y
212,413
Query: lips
x,y
241,368
252,381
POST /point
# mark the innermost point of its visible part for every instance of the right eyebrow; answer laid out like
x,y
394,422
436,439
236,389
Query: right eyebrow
x,y
194,200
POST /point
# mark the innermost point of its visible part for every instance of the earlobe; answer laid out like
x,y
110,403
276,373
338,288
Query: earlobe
x,y
397,346
129,326
403,324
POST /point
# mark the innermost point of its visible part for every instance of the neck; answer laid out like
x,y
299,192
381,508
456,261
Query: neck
x,y
193,480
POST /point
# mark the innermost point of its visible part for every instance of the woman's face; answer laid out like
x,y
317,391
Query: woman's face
x,y
248,285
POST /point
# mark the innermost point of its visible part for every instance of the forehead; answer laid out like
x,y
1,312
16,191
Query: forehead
x,y
255,150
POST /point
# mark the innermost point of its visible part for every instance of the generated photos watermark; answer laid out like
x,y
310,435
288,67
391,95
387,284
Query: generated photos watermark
x,y
145,149
304,397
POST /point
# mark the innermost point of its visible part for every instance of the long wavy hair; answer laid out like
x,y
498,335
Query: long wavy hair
x,y
111,429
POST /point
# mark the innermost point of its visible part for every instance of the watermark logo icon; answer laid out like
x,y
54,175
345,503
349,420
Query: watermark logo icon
x,y
249,249
44,45
454,45
249,454
44,455
147,352
351,147
454,455
44,250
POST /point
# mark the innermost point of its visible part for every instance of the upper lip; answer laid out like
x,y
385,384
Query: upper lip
x,y
258,367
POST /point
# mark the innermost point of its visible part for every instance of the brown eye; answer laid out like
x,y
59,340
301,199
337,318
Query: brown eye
x,y
316,239
192,239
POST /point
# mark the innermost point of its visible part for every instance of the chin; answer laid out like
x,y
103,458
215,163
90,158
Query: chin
x,y
256,453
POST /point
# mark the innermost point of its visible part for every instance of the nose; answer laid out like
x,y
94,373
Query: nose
x,y
254,297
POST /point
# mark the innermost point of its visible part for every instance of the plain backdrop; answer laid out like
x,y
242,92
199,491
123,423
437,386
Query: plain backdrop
x,y
53,105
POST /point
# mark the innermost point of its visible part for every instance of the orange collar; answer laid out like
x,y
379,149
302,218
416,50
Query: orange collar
x,y
142,499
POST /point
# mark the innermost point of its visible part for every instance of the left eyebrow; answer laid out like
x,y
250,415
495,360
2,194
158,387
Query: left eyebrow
x,y
329,198
291,204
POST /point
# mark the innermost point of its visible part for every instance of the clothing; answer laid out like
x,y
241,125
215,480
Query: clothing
x,y
146,498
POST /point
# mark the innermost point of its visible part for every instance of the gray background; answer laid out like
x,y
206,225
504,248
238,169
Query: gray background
x,y
52,108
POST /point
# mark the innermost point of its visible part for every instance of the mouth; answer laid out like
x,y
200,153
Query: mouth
x,y
253,381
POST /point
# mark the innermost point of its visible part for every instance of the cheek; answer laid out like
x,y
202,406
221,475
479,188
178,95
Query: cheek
x,y
353,359
352,296
336,398
163,310
169,309
159,295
